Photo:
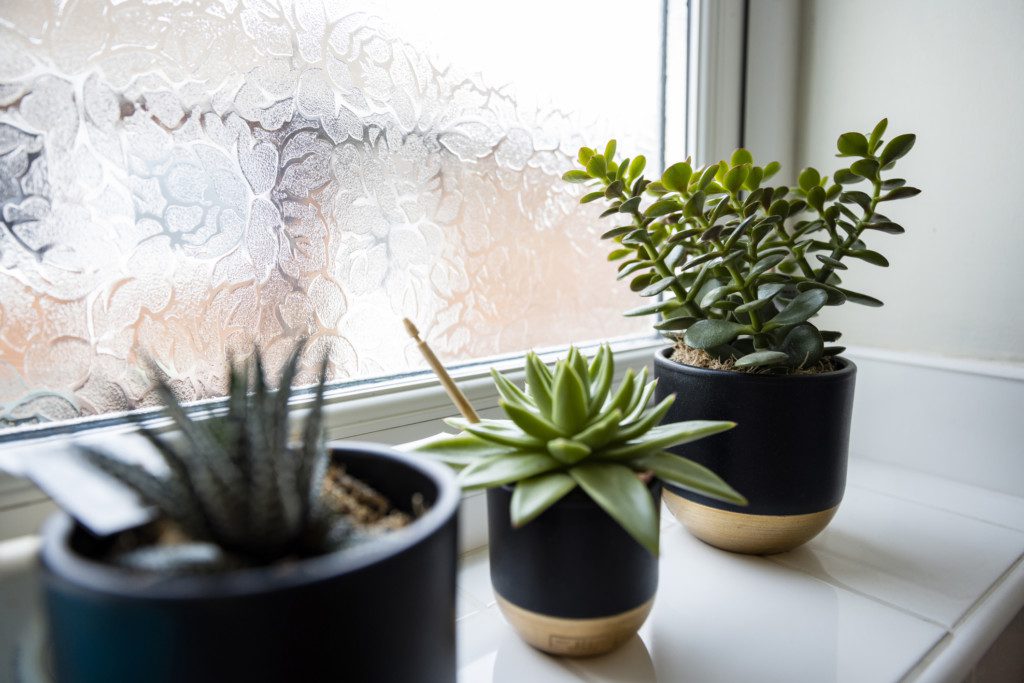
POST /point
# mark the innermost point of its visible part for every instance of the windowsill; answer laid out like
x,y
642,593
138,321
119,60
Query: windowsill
x,y
914,578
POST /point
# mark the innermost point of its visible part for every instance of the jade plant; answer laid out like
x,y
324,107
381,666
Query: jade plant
x,y
568,428
236,489
737,267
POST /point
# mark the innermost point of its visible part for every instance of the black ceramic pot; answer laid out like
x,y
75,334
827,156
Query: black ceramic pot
x,y
787,454
383,611
571,582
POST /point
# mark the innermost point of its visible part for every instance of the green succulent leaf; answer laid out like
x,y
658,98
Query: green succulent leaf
x,y
852,144
676,177
569,400
803,345
620,493
498,470
762,358
665,436
691,476
538,382
501,432
457,450
568,451
897,148
535,495
707,334
803,306
531,422
576,176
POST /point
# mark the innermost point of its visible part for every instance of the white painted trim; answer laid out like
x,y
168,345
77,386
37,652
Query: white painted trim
x,y
394,413
716,77
970,366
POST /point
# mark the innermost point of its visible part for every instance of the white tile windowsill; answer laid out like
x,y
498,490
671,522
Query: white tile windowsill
x,y
913,573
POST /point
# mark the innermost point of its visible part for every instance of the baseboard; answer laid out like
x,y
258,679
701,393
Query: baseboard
x,y
962,419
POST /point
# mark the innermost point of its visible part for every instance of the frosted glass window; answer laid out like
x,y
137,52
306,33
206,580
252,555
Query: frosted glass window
x,y
183,180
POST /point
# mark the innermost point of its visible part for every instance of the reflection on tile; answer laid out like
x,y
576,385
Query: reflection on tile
x,y
945,494
475,576
631,663
478,637
930,562
517,662
465,604
726,617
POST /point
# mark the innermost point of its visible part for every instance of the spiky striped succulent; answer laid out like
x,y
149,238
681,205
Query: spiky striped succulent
x,y
568,428
240,492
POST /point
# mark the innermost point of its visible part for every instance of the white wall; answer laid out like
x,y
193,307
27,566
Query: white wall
x,y
951,71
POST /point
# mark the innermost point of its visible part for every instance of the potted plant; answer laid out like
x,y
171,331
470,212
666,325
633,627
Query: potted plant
x,y
269,561
573,477
736,269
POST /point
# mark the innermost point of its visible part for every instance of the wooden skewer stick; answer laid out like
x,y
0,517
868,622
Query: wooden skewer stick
x,y
454,393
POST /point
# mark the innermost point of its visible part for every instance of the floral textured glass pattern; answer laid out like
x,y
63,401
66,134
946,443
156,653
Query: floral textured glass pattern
x,y
180,181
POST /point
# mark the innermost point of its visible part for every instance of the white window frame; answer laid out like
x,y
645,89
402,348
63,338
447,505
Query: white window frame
x,y
406,409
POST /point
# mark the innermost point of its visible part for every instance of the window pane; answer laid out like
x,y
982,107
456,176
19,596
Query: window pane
x,y
180,181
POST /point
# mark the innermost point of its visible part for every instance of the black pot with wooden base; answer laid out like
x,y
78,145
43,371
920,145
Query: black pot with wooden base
x,y
787,454
571,582
380,611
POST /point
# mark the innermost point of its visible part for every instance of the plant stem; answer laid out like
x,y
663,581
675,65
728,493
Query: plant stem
x,y
854,235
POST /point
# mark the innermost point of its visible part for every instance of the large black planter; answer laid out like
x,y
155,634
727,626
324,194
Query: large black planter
x,y
571,582
787,454
382,611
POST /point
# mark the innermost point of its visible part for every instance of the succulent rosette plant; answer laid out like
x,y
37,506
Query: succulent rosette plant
x,y
568,427
738,267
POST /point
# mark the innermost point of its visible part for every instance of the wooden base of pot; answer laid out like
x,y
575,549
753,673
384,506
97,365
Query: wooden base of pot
x,y
574,637
742,533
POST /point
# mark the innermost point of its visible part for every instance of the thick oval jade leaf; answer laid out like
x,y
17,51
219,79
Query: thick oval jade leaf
x,y
569,400
802,307
876,134
535,495
620,493
865,168
835,295
872,257
576,176
852,144
741,156
771,169
609,149
715,294
658,286
887,227
637,166
591,196
831,262
584,155
809,177
681,471
596,167
661,207
707,334
678,322
677,176
762,358
657,307
734,179
862,299
803,345
630,205
568,451
900,193
503,469
897,148
845,176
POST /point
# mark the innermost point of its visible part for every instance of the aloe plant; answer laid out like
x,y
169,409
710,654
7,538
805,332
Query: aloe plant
x,y
567,427
236,487
738,267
